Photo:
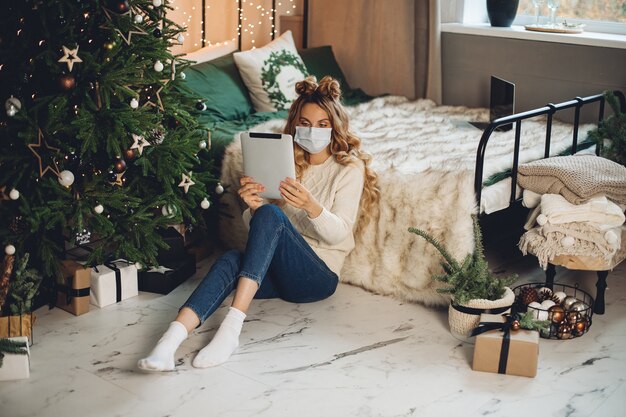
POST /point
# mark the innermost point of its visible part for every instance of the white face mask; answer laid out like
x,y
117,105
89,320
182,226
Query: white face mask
x,y
313,139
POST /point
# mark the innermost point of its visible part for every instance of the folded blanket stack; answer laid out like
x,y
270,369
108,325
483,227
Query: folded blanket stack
x,y
575,216
577,178
588,229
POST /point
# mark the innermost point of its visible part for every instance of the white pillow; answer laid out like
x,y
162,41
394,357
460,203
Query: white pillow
x,y
271,73
211,52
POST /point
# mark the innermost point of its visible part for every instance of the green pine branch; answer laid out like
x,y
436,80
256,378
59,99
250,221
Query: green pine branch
x,y
470,279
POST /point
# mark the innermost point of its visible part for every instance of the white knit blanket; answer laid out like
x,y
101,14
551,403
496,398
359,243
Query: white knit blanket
x,y
425,162
555,209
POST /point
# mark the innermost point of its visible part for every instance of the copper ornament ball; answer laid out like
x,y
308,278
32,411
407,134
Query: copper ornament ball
x,y
67,82
120,165
565,331
573,317
515,325
129,154
556,314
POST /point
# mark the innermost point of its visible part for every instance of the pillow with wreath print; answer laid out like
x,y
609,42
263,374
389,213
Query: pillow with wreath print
x,y
271,73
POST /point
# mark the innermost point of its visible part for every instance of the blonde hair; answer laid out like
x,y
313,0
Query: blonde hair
x,y
344,144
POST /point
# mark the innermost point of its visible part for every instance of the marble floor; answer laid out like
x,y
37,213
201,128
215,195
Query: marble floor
x,y
355,354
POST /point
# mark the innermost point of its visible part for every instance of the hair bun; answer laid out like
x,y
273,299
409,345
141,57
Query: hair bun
x,y
330,87
307,86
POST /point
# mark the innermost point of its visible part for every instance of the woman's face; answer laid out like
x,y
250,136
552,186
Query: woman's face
x,y
312,115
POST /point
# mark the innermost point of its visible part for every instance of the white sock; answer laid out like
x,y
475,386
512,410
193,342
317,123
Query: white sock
x,y
224,343
162,356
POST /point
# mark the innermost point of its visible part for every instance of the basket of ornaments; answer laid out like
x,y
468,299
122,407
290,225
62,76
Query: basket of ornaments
x,y
566,308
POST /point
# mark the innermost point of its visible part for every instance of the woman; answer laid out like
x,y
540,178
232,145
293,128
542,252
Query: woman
x,y
296,246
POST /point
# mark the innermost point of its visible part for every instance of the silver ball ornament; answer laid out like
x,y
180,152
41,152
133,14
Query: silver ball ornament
x,y
202,144
158,66
12,105
169,210
180,39
138,18
14,194
66,178
134,103
205,204
219,189
157,3
568,301
99,209
9,249
182,75
579,307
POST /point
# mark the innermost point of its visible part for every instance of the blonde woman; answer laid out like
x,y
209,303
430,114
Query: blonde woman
x,y
296,246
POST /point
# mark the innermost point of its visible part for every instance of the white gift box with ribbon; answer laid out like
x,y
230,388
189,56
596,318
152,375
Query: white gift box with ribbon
x,y
15,365
113,282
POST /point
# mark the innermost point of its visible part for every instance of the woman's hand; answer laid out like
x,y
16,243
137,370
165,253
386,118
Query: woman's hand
x,y
249,192
296,195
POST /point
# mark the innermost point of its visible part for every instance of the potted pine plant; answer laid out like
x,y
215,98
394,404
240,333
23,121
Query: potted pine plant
x,y
473,287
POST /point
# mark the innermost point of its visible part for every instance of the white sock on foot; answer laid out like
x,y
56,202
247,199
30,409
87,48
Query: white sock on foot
x,y
162,356
224,343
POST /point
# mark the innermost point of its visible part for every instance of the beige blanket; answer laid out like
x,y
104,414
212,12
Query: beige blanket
x,y
577,178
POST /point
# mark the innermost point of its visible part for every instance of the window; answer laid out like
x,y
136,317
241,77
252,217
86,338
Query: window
x,y
597,15
603,10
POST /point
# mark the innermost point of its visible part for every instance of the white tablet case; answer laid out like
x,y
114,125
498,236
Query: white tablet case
x,y
268,158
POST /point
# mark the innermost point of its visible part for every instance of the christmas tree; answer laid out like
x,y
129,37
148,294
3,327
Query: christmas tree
x,y
99,143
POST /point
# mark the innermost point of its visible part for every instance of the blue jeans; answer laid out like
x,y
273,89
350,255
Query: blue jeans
x,y
276,257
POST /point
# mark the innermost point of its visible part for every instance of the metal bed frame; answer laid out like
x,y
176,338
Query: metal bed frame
x,y
549,110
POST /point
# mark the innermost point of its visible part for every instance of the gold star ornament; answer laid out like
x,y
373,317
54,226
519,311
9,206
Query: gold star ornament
x,y
70,57
186,182
139,143
43,152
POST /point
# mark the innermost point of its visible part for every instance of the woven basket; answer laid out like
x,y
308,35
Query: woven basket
x,y
462,323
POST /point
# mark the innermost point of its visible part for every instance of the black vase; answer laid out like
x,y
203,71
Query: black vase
x,y
502,12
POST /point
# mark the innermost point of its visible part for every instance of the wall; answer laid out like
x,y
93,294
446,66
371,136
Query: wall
x,y
542,71
222,21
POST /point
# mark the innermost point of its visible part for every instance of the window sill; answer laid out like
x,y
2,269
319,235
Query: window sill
x,y
606,40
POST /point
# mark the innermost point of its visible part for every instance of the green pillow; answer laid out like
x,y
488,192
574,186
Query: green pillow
x,y
320,61
218,82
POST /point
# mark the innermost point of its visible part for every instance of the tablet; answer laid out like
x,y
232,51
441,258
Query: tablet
x,y
268,158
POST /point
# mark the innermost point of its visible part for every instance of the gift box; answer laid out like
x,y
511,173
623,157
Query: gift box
x,y
176,242
15,365
113,282
15,326
504,350
164,279
73,294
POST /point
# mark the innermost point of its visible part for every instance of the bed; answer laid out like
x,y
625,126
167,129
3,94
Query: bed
x,y
434,168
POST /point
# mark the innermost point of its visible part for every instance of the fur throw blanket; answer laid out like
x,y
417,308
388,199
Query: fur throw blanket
x,y
425,164
576,177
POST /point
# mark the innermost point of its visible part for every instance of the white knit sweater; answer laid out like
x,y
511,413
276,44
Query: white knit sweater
x,y
338,189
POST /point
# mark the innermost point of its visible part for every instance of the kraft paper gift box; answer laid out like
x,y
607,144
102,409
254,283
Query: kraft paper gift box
x,y
165,281
113,282
13,326
73,295
491,353
15,365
